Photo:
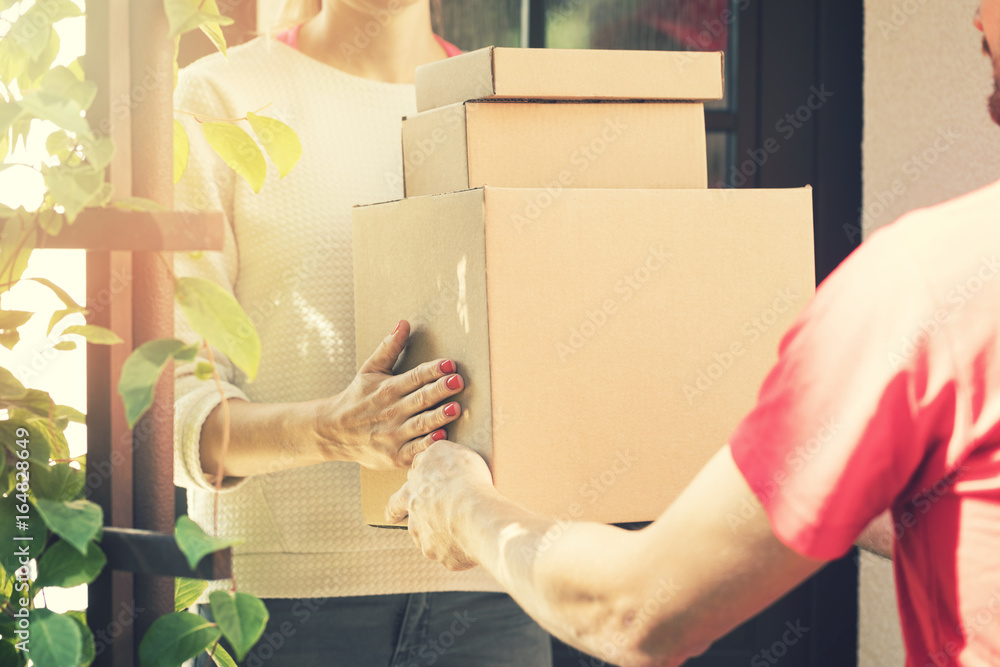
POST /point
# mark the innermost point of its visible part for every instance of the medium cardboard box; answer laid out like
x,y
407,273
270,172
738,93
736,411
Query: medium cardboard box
x,y
565,144
610,339
538,74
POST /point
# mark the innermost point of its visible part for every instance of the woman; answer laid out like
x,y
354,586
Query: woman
x,y
339,592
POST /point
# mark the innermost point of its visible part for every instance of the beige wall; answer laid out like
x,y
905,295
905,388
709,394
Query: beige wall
x,y
928,138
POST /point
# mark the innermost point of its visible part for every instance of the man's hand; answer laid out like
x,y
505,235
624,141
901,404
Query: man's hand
x,y
444,484
383,420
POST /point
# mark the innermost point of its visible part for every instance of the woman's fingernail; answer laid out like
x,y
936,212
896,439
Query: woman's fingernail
x,y
398,327
440,434
451,409
454,382
447,366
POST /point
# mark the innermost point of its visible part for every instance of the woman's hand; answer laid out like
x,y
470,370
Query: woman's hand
x,y
383,420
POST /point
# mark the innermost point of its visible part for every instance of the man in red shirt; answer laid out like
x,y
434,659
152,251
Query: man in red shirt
x,y
885,402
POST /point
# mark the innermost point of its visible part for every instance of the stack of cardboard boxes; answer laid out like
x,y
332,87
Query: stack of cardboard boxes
x,y
612,316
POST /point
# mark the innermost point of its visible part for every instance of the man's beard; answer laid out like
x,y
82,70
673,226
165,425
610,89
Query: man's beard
x,y
995,98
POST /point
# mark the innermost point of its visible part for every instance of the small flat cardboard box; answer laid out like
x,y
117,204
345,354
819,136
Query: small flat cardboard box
x,y
557,145
610,339
581,74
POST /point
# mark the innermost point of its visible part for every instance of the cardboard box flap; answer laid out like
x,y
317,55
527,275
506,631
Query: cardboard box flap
x,y
435,151
570,74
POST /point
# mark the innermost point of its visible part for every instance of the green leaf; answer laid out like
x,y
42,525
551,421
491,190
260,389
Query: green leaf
x,y
195,544
50,221
182,150
221,658
58,316
10,320
279,140
4,145
63,566
37,67
62,294
62,111
18,237
9,111
99,152
64,345
215,314
65,413
78,521
187,592
93,333
176,637
38,447
213,30
137,204
142,369
60,145
89,650
73,188
56,639
9,530
42,428
241,618
13,60
59,482
203,371
238,150
186,15
61,81
10,656
31,32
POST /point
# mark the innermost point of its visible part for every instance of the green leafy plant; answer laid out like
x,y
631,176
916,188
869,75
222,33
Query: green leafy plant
x,y
43,508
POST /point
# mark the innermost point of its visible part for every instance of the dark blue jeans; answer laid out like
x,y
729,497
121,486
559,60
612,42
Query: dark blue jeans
x,y
416,630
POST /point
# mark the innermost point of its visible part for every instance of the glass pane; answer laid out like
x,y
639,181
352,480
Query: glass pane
x,y
473,24
720,150
655,25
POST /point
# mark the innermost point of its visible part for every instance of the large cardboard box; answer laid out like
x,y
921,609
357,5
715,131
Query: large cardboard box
x,y
545,144
610,339
512,73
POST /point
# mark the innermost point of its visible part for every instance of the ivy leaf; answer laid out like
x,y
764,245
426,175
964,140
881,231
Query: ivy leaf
x,y
176,637
73,187
31,31
78,521
238,150
137,204
64,414
89,650
59,145
58,482
187,592
18,237
241,618
195,544
10,320
142,369
94,334
37,67
8,531
64,346
182,150
61,81
279,140
186,15
63,111
41,427
4,145
38,448
50,221
10,655
221,658
63,566
215,314
9,111
56,640
13,60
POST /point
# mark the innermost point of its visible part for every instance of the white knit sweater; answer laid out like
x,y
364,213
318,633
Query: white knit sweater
x,y
287,258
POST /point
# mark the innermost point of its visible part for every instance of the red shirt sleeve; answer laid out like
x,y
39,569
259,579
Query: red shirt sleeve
x,y
862,394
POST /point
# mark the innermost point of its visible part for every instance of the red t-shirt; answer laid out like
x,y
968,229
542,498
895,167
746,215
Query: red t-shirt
x,y
887,395
291,38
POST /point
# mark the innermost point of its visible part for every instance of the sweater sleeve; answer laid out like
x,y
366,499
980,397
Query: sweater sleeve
x,y
207,185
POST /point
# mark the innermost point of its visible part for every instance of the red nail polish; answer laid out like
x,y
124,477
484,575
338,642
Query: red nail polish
x,y
447,366
398,327
439,435
454,382
451,409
